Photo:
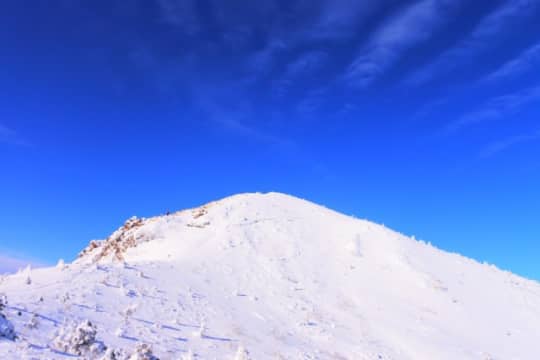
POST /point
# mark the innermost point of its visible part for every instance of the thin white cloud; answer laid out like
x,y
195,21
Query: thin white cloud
x,y
526,61
501,16
414,25
230,108
483,36
305,65
429,109
309,105
9,136
308,62
181,14
10,264
262,61
338,18
6,133
496,108
505,144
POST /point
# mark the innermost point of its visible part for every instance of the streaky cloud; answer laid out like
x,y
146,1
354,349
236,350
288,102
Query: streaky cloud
x,y
6,133
181,14
10,136
504,144
338,18
526,61
496,108
311,102
262,61
428,109
11,264
481,38
233,115
307,63
414,25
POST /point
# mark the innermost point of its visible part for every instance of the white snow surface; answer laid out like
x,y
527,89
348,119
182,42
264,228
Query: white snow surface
x,y
271,276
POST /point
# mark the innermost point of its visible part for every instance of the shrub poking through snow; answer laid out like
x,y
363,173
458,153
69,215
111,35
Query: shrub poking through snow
x,y
114,354
128,312
33,323
200,333
120,332
241,354
3,302
6,328
61,264
27,273
188,356
79,339
65,299
355,246
143,352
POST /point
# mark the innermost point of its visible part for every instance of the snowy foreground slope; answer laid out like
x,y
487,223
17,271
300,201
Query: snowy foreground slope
x,y
270,276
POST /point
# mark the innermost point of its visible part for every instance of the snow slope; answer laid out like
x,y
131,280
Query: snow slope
x,y
280,277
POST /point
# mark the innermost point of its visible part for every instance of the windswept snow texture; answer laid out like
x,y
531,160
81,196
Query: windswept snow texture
x,y
270,276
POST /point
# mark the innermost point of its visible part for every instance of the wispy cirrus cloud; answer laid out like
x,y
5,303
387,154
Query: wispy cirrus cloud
x,y
310,104
229,107
414,25
496,108
483,36
507,143
303,67
10,264
182,14
10,136
307,63
261,62
526,61
338,18
219,23
6,133
429,109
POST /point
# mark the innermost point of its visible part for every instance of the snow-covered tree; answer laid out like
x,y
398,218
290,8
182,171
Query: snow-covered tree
x,y
128,312
188,356
120,332
78,339
114,354
33,323
27,273
143,352
65,298
201,331
241,354
61,265
3,302
6,327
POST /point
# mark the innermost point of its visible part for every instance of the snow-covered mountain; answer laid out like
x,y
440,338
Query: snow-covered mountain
x,y
268,276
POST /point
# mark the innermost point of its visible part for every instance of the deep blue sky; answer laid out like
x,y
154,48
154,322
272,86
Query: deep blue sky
x,y
422,115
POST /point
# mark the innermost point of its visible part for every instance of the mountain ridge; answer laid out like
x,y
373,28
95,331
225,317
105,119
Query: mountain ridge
x,y
277,277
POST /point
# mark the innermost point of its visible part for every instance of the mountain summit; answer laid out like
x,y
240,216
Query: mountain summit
x,y
269,276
